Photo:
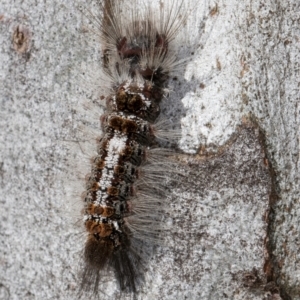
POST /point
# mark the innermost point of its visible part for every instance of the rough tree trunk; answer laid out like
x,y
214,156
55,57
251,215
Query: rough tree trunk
x,y
235,217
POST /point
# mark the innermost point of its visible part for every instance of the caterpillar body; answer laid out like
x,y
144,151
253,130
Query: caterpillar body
x,y
123,200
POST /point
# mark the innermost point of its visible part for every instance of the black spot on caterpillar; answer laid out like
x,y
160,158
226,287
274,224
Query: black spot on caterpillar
x,y
123,200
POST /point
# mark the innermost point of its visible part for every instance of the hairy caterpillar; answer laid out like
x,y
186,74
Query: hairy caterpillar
x,y
123,200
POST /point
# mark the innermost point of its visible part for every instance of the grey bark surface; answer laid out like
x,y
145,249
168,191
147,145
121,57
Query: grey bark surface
x,y
234,216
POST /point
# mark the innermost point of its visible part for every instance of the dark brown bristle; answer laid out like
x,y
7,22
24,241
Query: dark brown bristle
x,y
98,252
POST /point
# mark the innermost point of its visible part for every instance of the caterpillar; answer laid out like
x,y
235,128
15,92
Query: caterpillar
x,y
123,197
